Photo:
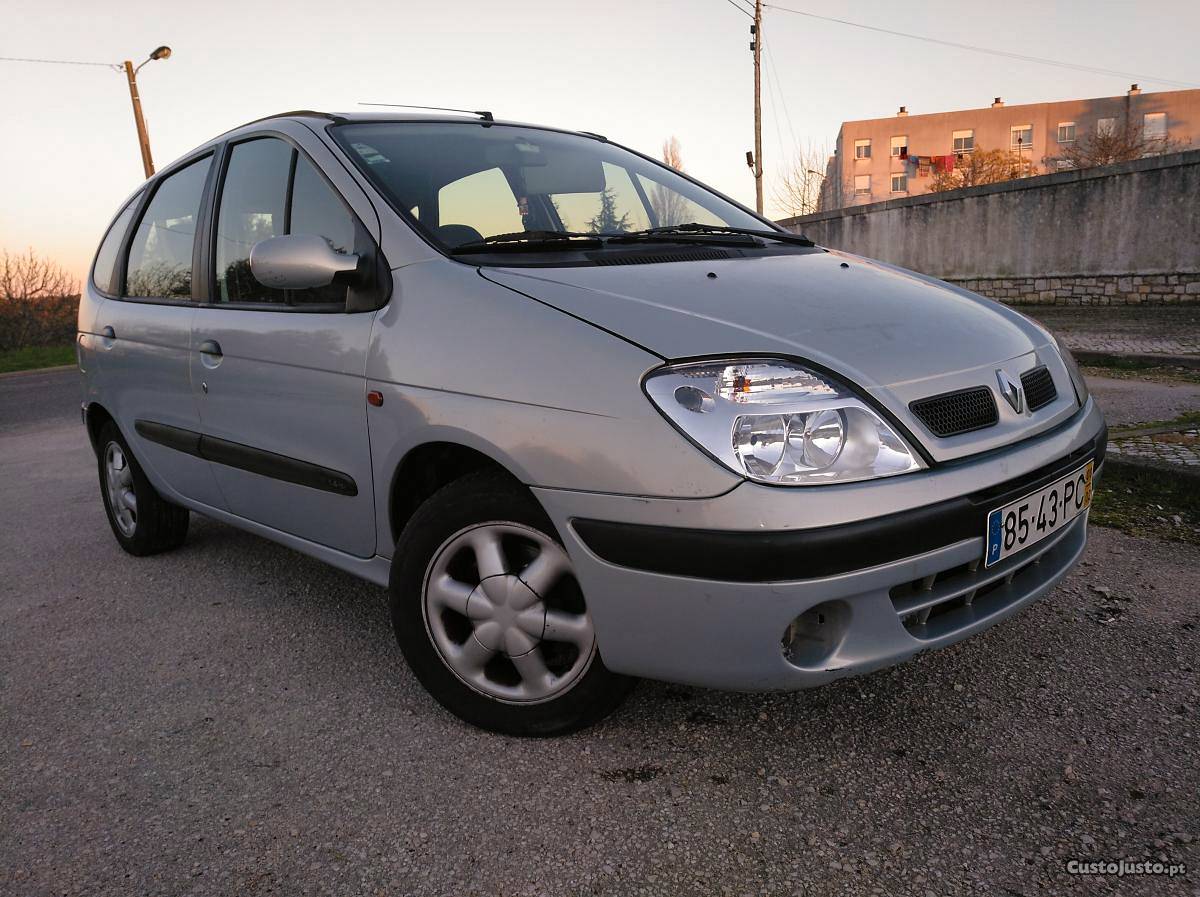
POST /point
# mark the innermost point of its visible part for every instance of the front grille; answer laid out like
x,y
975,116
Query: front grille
x,y
958,412
953,599
1039,388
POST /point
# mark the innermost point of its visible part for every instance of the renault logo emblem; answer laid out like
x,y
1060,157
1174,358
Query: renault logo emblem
x,y
1011,389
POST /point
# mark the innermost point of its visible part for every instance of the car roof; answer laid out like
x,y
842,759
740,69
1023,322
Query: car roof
x,y
406,113
396,114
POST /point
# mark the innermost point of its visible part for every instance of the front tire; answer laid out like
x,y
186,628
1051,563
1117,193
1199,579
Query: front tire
x,y
143,521
490,617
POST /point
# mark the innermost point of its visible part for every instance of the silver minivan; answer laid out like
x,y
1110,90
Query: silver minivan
x,y
587,419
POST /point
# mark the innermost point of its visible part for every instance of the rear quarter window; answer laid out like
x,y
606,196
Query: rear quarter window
x,y
105,267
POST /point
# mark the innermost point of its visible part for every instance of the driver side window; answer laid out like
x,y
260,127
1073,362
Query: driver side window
x,y
271,190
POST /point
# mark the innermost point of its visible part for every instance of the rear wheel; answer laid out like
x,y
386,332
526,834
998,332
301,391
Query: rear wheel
x,y
490,616
141,519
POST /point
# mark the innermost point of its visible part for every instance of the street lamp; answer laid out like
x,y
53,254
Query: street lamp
x,y
163,52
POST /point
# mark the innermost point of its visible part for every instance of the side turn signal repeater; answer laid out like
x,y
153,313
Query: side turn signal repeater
x,y
375,397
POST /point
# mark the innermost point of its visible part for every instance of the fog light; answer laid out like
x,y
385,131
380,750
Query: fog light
x,y
814,636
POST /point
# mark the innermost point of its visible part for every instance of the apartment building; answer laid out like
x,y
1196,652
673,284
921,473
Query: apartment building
x,y
887,158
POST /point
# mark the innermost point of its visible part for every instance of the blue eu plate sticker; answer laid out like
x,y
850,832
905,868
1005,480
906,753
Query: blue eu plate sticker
x,y
995,539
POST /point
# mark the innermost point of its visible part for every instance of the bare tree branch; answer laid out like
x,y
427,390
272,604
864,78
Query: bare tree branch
x,y
668,206
1120,143
38,301
797,188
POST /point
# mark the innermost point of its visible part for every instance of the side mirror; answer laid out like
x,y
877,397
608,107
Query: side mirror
x,y
299,262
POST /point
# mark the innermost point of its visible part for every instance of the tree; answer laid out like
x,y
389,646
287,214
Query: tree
x,y
606,220
38,301
797,190
30,277
672,154
981,167
669,207
1121,143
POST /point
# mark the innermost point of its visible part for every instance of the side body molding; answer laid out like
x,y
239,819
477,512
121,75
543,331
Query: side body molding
x,y
245,457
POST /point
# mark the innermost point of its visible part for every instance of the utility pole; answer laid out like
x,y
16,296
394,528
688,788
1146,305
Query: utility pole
x,y
756,46
143,135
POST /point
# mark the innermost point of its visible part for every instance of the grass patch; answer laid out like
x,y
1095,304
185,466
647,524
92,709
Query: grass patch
x,y
32,357
1186,421
1146,503
1128,369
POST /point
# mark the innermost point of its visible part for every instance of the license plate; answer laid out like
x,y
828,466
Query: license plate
x,y
1035,516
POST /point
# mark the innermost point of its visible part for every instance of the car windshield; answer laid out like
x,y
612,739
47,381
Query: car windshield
x,y
463,183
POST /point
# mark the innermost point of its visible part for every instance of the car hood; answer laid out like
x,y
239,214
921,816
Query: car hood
x,y
896,334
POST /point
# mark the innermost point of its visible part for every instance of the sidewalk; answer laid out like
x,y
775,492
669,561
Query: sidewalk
x,y
1123,330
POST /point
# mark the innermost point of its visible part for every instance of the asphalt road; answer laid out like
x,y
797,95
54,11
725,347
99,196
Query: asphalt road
x,y
233,718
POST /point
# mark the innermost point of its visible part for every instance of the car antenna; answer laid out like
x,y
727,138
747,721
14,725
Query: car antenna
x,y
482,113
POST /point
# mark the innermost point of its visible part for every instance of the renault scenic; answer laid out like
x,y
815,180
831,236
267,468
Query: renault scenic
x,y
585,418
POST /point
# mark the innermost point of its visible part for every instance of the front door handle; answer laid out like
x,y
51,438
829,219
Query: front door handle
x,y
210,354
108,336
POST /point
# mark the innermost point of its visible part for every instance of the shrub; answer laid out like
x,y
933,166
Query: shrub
x,y
39,302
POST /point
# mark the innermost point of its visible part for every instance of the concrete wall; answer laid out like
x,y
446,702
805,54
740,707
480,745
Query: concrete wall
x,y
1121,234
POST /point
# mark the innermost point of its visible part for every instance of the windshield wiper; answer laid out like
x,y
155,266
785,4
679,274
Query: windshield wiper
x,y
694,229
530,241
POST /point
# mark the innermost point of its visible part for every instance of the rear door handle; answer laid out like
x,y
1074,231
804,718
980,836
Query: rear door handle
x,y
108,336
210,354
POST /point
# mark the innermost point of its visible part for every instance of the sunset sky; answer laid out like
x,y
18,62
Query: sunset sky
x,y
638,71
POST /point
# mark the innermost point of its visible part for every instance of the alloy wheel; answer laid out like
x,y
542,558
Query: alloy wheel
x,y
505,612
118,478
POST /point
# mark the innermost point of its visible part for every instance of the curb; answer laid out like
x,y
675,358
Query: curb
x,y
31,371
1092,356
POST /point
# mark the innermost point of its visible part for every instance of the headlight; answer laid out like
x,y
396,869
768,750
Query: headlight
x,y
777,422
1081,390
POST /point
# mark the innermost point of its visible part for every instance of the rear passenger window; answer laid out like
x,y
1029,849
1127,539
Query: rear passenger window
x,y
106,257
160,255
253,203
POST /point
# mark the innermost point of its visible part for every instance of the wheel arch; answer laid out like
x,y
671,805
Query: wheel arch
x,y
428,467
95,418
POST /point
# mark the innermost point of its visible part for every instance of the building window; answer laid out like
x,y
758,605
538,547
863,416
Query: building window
x,y
964,141
899,183
1154,126
862,149
1021,137
900,147
1066,132
1106,127
862,185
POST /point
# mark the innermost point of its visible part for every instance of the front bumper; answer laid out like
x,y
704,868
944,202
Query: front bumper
x,y
673,597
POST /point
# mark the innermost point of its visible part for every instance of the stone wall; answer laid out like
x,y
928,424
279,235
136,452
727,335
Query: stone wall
x,y
1125,234
1134,289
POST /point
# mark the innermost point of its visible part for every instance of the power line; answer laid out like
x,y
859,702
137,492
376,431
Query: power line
x,y
1021,56
740,8
779,85
107,65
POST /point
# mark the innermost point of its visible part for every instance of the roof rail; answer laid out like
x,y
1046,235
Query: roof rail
x,y
329,115
482,113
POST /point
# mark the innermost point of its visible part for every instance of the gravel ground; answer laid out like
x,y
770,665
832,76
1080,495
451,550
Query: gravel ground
x,y
233,718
